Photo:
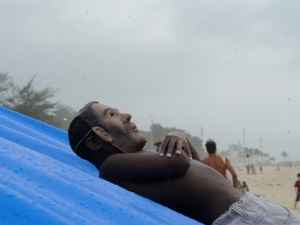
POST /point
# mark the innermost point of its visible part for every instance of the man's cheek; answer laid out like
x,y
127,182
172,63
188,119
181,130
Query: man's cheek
x,y
119,130
114,124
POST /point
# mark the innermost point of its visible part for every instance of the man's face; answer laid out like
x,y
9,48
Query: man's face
x,y
124,133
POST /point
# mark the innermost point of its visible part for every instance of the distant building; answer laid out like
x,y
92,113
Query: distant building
x,y
242,156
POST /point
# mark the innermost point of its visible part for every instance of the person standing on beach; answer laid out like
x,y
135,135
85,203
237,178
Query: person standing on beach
x,y
297,188
216,162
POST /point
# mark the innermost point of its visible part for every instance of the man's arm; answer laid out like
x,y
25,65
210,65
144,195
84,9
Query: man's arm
x,y
142,167
232,172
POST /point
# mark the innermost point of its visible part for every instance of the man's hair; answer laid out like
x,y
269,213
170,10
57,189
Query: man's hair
x,y
79,128
298,175
211,147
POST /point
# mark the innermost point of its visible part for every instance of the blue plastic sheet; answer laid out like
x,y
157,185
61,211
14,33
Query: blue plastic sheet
x,y
43,182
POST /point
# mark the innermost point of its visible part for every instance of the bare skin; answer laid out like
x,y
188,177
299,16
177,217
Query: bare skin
x,y
216,161
188,187
179,182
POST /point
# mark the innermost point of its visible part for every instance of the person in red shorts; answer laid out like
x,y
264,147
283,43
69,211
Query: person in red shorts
x,y
297,187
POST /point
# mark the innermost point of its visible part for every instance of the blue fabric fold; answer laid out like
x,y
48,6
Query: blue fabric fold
x,y
43,182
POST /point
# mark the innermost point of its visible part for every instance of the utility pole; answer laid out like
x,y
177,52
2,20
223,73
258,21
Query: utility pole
x,y
244,137
261,140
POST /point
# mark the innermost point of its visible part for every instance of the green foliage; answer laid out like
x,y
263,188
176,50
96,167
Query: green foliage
x,y
35,103
63,115
6,86
41,104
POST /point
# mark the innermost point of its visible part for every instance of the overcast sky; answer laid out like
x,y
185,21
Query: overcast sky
x,y
219,65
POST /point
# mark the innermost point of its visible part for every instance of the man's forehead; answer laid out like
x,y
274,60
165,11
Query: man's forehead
x,y
99,109
94,113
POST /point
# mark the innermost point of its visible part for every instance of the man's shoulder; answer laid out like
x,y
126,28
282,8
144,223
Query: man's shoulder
x,y
219,158
215,159
205,159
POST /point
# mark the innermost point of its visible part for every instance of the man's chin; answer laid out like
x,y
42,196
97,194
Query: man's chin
x,y
142,144
140,141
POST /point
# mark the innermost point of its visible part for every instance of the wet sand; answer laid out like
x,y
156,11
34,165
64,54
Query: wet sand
x,y
275,185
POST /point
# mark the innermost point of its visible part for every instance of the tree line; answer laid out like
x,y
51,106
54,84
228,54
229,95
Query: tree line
x,y
40,103
34,102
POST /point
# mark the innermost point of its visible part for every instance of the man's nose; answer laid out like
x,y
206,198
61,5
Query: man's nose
x,y
127,117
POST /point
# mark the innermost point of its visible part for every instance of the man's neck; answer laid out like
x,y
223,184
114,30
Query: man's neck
x,y
106,151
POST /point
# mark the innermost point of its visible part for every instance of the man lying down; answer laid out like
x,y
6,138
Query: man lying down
x,y
176,178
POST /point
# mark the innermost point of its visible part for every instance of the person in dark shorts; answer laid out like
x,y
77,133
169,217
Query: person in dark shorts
x,y
297,187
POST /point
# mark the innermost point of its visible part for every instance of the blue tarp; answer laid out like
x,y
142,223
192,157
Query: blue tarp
x,y
43,182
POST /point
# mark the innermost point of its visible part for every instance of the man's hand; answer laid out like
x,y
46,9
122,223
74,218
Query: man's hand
x,y
175,144
231,170
194,152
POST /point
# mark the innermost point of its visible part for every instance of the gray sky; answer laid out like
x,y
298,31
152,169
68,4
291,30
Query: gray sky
x,y
220,65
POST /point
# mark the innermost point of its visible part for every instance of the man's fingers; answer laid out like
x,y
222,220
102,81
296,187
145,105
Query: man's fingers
x,y
171,146
188,149
179,147
163,146
175,145
191,148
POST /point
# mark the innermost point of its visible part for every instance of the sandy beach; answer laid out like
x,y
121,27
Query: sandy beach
x,y
275,185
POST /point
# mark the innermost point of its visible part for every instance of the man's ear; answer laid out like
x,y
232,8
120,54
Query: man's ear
x,y
100,132
95,143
